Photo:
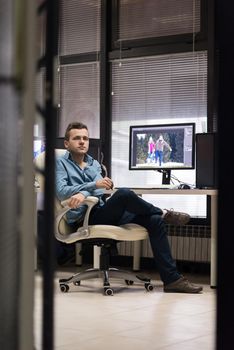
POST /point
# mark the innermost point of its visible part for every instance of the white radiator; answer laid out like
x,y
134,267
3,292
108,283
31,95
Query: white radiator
x,y
190,243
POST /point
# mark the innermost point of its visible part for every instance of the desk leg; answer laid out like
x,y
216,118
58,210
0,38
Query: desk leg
x,y
136,255
213,257
96,257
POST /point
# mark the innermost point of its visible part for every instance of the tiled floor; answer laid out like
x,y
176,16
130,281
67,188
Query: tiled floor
x,y
131,319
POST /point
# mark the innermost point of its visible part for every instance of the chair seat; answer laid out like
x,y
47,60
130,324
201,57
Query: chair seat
x,y
127,232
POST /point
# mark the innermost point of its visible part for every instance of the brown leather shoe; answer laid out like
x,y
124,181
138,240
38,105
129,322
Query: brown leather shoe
x,y
182,285
176,218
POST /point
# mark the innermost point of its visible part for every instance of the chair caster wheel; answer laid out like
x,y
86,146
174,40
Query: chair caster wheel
x,y
108,291
129,283
149,287
76,283
64,288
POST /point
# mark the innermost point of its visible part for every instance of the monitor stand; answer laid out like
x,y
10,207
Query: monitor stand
x,y
166,177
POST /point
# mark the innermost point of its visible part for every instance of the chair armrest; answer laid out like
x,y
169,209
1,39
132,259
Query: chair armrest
x,y
82,231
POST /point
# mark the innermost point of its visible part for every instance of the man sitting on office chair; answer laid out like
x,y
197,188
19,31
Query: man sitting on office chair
x,y
78,175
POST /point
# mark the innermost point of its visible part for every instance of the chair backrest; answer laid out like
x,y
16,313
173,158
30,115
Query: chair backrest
x,y
39,162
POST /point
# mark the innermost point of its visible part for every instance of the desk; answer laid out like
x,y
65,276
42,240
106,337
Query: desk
x,y
213,193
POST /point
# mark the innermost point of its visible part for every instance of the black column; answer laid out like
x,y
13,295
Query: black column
x,y
224,35
10,147
48,263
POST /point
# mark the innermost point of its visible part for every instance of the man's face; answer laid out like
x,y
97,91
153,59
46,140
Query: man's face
x,y
78,143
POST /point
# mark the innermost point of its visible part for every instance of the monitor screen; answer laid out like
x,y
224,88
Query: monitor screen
x,y
162,147
38,146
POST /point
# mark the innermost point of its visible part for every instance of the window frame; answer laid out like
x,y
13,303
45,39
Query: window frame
x,y
110,50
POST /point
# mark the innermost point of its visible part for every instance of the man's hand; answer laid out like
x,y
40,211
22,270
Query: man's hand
x,y
76,200
106,183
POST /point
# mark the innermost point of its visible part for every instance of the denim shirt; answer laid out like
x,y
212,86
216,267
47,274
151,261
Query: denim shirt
x,y
72,179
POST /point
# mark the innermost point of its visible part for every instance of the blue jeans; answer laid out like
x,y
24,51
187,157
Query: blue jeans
x,y
159,156
123,207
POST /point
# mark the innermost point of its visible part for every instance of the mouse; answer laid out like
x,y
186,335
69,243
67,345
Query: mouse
x,y
184,187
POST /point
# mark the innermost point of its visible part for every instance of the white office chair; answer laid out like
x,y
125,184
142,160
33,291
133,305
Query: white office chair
x,y
97,235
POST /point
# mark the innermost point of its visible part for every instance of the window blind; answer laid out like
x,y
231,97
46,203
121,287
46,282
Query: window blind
x,y
159,18
160,87
79,96
79,26
40,102
156,90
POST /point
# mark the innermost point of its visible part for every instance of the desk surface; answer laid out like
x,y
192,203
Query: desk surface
x,y
151,190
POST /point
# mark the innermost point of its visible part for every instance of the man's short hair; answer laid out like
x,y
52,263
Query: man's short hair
x,y
74,125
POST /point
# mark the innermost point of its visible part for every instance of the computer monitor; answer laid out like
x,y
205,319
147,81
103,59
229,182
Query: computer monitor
x,y
162,147
38,146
